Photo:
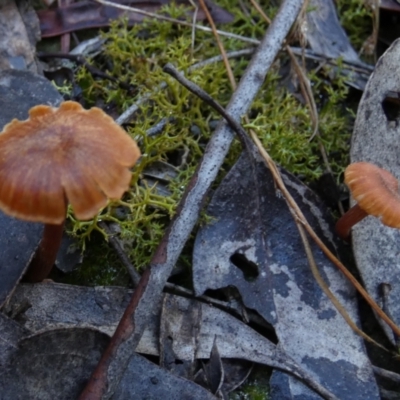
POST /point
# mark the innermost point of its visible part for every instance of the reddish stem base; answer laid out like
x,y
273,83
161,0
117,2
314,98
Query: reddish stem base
x,y
348,220
46,254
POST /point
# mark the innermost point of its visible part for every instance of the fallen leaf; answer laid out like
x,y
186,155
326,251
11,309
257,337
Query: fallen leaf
x,y
18,242
214,370
52,365
52,306
56,365
327,38
325,34
253,244
10,334
145,380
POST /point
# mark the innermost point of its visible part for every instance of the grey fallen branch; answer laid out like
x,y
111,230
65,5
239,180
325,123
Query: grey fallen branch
x,y
148,294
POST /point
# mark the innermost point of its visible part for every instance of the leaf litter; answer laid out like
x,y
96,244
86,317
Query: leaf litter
x,y
293,286
253,244
193,327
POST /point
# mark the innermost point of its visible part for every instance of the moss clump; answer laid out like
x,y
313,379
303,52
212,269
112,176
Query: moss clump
x,y
135,57
252,391
356,17
256,387
285,128
100,267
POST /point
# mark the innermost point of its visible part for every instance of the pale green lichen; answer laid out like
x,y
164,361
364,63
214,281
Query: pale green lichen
x,y
65,89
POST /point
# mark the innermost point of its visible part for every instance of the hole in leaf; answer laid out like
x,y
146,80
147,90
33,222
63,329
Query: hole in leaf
x,y
391,106
249,268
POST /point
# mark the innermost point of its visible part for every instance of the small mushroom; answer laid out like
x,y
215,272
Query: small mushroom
x,y
376,192
59,156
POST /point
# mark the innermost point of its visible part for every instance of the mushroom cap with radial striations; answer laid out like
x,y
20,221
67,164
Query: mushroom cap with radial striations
x,y
376,191
61,155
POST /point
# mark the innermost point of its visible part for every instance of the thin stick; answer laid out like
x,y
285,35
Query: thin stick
x,y
177,21
307,93
308,53
243,137
115,243
127,114
220,45
393,376
196,10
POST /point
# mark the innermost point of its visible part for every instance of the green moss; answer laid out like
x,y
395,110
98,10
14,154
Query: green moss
x,y
253,391
100,266
285,128
135,57
256,386
356,17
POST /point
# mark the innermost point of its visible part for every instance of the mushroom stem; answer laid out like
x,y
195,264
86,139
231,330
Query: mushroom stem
x,y
354,215
46,253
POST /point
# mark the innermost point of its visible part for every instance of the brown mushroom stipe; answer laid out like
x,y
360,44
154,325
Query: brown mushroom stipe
x,y
59,156
376,192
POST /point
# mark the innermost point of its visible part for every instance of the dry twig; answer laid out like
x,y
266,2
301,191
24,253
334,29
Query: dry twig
x,y
220,45
177,21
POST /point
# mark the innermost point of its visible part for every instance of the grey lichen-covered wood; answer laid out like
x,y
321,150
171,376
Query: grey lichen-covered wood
x,y
19,91
376,139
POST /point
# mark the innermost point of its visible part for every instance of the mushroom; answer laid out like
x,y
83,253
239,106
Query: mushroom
x,y
376,192
59,156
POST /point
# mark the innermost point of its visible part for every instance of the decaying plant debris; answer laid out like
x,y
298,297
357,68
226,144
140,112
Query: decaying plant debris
x,y
201,203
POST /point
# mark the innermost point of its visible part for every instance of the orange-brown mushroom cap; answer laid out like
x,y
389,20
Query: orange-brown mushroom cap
x,y
60,155
376,191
